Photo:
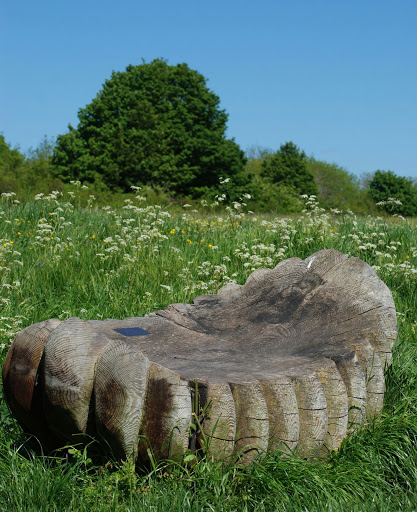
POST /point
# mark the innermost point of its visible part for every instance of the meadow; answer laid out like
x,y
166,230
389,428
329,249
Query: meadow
x,y
59,259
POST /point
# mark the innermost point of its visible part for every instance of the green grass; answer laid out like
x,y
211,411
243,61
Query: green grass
x,y
60,260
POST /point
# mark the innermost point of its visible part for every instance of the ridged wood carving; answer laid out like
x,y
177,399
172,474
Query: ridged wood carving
x,y
293,359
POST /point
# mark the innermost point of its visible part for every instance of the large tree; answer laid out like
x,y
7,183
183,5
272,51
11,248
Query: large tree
x,y
151,124
288,167
387,189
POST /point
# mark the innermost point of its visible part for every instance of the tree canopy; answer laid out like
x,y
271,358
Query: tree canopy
x,y
10,159
288,166
11,166
151,124
335,184
389,189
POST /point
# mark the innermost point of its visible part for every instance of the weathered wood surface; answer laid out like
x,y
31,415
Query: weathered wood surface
x,y
293,359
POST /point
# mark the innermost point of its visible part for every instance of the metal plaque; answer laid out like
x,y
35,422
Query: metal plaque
x,y
132,331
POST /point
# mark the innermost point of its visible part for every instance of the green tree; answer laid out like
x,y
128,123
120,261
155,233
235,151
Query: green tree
x,y
39,159
10,159
27,174
288,166
386,186
152,124
339,188
12,167
335,184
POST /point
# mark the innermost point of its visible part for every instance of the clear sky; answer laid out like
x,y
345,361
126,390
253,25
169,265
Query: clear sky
x,y
336,77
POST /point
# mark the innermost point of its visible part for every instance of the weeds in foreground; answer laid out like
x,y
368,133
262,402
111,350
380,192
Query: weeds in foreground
x,y
60,260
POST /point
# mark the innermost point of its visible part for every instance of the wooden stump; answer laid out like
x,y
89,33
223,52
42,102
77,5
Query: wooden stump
x,y
293,359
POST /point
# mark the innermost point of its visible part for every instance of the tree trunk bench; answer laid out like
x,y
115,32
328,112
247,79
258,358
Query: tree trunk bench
x,y
294,359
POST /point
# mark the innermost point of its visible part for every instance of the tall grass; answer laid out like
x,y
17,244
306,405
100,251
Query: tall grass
x,y
60,260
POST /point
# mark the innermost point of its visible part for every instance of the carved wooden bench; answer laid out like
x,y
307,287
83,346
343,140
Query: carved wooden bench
x,y
293,359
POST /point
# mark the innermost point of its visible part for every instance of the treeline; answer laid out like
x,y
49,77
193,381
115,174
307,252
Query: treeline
x,y
272,187
159,127
284,175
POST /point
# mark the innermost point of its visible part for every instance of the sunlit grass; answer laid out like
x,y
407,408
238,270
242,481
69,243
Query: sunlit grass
x,y
60,260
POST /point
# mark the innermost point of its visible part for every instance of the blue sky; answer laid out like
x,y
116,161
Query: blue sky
x,y
336,77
